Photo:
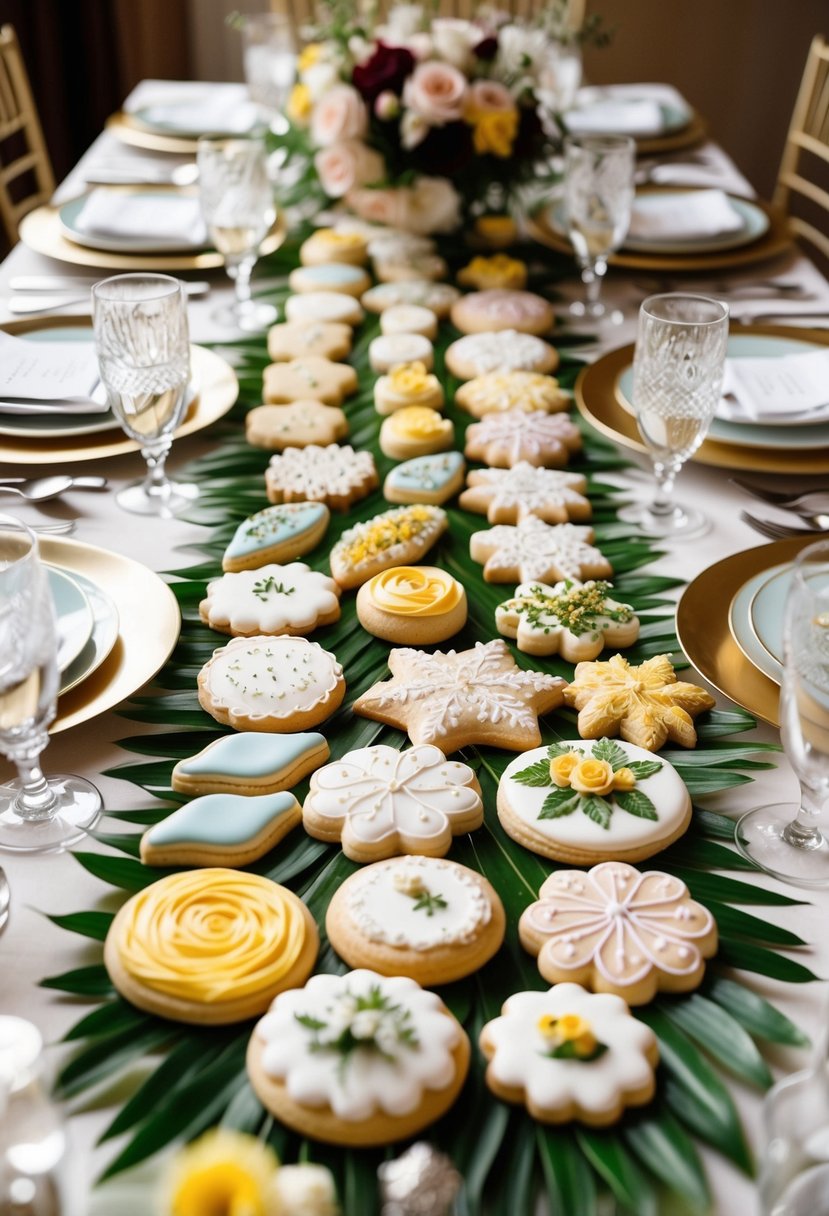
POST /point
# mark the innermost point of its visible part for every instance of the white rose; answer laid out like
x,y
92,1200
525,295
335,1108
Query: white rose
x,y
403,21
413,129
454,40
433,206
520,49
346,165
305,1190
436,91
340,114
320,78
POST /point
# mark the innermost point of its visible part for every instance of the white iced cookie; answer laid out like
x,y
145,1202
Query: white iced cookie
x,y
504,350
392,243
330,276
569,1054
292,599
323,306
335,474
409,319
497,392
575,620
503,440
499,308
389,350
510,495
402,266
533,551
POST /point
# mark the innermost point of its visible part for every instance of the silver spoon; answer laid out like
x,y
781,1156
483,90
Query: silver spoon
x,y
38,489
5,898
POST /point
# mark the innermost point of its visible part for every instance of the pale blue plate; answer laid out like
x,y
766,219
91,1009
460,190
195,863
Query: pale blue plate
x,y
183,130
73,614
755,223
767,609
102,638
68,216
740,623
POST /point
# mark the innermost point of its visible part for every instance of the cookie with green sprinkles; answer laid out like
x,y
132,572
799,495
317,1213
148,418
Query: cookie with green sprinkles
x,y
575,620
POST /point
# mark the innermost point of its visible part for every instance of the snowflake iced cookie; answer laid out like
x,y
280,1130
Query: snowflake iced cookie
x,y
311,378
401,266
276,427
617,930
503,350
419,605
433,479
506,496
358,1059
398,537
534,551
568,1054
502,308
535,437
425,917
415,430
380,802
500,392
221,830
336,475
646,705
586,802
250,763
292,599
276,534
461,697
301,339
575,620
280,684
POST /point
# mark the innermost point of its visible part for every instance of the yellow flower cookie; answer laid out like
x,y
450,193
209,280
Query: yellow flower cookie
x,y
327,245
420,605
415,430
407,384
496,392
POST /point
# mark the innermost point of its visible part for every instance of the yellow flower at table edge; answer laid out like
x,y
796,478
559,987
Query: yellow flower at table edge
x,y
561,768
496,230
223,1173
493,131
592,776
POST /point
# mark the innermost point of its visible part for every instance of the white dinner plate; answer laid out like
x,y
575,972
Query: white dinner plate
x,y
73,616
57,425
68,216
754,224
673,116
740,622
104,634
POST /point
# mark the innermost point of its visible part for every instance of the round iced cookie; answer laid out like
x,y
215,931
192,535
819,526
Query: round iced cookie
x,y
389,350
499,270
327,245
584,802
439,297
323,306
290,599
250,763
399,267
425,917
330,276
276,534
299,339
575,620
210,946
419,605
415,430
409,319
397,537
221,830
278,684
407,384
498,392
432,479
358,1059
504,350
502,309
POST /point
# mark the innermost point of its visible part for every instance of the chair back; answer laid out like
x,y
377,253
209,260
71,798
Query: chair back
x,y
26,178
802,189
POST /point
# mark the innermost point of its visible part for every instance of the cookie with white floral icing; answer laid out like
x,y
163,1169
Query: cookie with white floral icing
x,y
568,1054
504,350
276,427
415,430
425,917
534,551
291,599
324,306
335,475
358,1059
407,385
303,339
280,684
419,605
327,245
506,496
615,929
311,378
438,297
390,350
575,620
380,802
500,308
534,437
398,537
250,763
433,479
456,698
221,830
276,534
409,319
583,802
499,392
330,276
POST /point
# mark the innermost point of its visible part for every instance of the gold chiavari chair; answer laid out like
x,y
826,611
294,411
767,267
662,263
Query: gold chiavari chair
x,y
26,178
805,164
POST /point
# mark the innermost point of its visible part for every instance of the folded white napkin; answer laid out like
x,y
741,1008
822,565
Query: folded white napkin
x,y
681,217
635,117
49,377
172,219
788,388
194,106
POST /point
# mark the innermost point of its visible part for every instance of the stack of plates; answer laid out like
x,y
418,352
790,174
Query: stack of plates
x,y
87,625
610,110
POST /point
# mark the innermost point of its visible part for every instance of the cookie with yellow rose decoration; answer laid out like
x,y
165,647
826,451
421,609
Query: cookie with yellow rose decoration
x,y
646,705
328,245
499,270
211,946
407,385
500,309
583,802
397,537
499,392
420,605
416,430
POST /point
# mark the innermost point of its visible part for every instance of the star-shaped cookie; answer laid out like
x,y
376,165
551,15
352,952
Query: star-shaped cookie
x,y
276,427
645,705
312,377
575,620
459,697
507,496
336,475
532,551
541,439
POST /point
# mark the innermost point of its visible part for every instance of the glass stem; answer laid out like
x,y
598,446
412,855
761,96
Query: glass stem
x,y
592,276
156,483
663,501
802,832
36,801
240,273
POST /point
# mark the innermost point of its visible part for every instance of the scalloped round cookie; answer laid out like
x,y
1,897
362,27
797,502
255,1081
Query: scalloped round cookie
x,y
504,350
501,308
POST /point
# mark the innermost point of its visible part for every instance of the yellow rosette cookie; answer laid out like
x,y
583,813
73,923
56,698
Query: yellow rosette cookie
x,y
417,604
407,385
416,430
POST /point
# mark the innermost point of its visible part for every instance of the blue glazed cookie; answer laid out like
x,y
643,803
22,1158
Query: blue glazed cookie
x,y
433,479
220,830
276,534
251,763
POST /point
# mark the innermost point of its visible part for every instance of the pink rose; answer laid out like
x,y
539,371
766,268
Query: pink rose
x,y
489,97
436,91
378,206
347,165
340,114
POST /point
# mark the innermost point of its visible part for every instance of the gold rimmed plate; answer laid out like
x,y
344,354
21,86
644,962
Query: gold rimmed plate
x,y
138,135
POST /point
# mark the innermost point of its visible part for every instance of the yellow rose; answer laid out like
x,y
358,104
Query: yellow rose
x,y
592,776
299,104
585,1044
561,769
623,779
222,1171
308,56
547,1026
495,132
497,230
494,272
570,1026
409,378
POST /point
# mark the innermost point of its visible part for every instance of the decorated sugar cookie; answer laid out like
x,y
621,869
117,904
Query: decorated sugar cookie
x,y
584,802
394,268
358,1059
330,276
533,551
271,684
390,350
461,697
335,474
420,605
390,243
498,392
415,430
221,830
311,378
575,620
303,339
324,306
510,495
617,930
432,479
425,917
394,538
276,427
438,297
210,946
501,308
568,1054
250,763
292,599
407,384
504,350
646,705
409,319
276,534
497,271
329,245
380,802
502,440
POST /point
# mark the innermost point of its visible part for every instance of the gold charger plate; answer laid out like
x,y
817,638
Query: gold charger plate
x,y
137,135
694,132
598,403
149,625
217,388
704,634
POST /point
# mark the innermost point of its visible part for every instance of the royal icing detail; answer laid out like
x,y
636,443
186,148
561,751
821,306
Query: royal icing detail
x,y
504,350
539,552
534,436
323,306
426,474
523,491
389,537
498,392
220,820
275,526
401,1044
251,754
409,319
575,620
272,599
415,591
319,473
270,677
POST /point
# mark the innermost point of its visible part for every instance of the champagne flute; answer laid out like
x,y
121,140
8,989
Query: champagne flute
x,y
269,57
143,346
36,815
786,841
678,370
238,205
598,196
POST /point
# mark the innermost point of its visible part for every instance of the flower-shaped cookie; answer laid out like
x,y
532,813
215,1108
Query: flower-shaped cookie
x,y
336,475
277,427
532,551
569,1054
617,930
382,802
575,620
497,392
541,439
274,599
646,705
506,496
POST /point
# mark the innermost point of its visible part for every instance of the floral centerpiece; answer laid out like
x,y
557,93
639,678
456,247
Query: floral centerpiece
x,y
423,121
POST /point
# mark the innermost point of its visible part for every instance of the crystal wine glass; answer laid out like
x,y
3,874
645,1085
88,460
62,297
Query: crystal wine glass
x,y
785,840
598,196
678,370
36,815
269,56
239,209
143,347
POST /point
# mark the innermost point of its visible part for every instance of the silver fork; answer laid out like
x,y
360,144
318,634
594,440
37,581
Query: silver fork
x,y
777,531
808,504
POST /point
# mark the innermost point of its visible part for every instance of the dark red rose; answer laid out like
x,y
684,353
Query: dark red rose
x,y
386,70
487,48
